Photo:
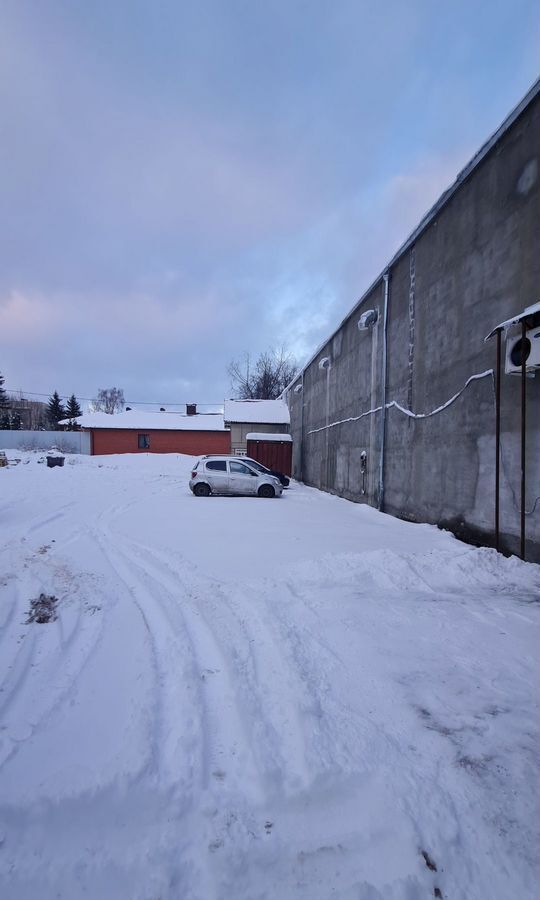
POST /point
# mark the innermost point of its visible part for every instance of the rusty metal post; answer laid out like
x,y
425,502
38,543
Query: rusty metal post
x,y
497,440
523,432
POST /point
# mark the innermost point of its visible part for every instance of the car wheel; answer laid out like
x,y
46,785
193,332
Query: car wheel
x,y
266,490
201,490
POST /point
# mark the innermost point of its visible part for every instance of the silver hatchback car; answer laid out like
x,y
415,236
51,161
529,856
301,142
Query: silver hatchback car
x,y
230,475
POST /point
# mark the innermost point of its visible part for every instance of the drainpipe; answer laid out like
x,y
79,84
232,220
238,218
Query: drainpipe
x,y
302,432
386,279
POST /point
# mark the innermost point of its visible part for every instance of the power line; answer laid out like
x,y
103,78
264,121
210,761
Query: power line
x,y
93,399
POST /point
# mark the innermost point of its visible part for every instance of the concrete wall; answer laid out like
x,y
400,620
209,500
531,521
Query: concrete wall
x,y
474,264
194,443
68,441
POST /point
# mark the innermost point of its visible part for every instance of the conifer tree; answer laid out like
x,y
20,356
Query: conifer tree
x,y
73,410
55,411
4,402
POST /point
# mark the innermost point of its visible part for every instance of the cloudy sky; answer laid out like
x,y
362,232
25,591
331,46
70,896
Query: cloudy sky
x,y
182,182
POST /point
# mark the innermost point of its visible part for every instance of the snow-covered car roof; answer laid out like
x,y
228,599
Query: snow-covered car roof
x,y
148,421
270,412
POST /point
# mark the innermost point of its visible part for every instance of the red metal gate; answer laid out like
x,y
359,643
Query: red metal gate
x,y
275,454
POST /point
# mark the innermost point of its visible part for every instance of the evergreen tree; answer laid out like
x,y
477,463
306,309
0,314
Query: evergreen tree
x,y
55,411
5,421
4,402
73,410
16,421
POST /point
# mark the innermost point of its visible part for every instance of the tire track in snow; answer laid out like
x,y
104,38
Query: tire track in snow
x,y
223,784
19,671
227,752
47,662
165,647
270,691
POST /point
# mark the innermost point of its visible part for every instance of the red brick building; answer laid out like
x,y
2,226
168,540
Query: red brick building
x,y
156,432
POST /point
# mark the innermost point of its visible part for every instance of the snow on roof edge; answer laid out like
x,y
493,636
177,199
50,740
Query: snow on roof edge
x,y
269,412
151,421
264,436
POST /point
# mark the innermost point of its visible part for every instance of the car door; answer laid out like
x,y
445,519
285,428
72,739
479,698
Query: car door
x,y
217,475
242,479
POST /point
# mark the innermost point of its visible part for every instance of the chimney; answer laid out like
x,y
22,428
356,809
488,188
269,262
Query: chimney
x,y
191,409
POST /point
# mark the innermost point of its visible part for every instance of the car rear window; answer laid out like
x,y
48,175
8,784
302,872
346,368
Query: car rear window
x,y
218,464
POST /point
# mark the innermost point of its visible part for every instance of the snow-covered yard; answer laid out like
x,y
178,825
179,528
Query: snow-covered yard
x,y
243,699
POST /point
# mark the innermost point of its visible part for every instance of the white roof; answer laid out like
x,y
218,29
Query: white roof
x,y
529,311
148,421
269,412
262,436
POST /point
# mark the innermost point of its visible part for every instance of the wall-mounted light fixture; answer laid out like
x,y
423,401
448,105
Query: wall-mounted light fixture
x,y
367,319
324,363
298,389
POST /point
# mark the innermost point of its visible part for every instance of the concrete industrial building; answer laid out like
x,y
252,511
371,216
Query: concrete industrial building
x,y
366,416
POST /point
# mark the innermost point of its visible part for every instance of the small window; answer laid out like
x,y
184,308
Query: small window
x,y
218,465
239,468
144,442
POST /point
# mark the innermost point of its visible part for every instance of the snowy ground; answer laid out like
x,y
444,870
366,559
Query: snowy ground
x,y
244,699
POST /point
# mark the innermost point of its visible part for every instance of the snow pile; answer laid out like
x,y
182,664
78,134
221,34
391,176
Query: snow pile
x,y
299,698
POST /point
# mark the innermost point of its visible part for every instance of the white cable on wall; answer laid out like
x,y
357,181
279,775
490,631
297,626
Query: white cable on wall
x,y
402,409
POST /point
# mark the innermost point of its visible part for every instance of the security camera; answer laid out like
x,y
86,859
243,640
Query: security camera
x,y
324,363
298,388
367,319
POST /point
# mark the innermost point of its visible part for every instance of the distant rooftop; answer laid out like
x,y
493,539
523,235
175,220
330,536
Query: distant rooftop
x,y
148,421
268,412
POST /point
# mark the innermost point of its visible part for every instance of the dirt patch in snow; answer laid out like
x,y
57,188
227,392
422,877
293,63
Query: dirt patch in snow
x,y
42,610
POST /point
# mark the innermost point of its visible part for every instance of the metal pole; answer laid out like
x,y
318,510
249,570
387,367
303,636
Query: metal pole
x,y
523,432
497,439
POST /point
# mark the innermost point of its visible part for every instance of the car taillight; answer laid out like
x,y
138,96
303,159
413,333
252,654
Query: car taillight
x,y
194,474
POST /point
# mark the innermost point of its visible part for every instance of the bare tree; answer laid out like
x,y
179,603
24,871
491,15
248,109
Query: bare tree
x,y
109,400
266,379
